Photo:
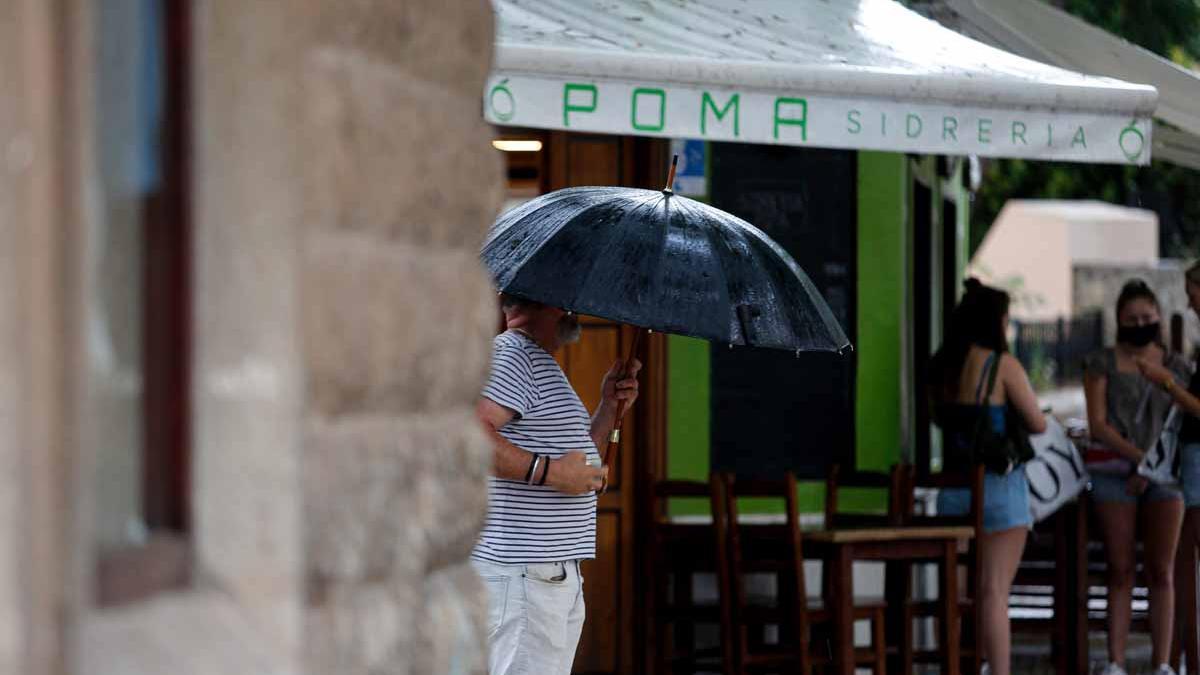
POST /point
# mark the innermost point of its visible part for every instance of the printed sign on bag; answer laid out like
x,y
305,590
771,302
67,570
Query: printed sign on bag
x,y
1056,473
1161,463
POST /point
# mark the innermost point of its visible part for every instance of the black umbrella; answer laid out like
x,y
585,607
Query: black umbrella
x,y
659,261
656,260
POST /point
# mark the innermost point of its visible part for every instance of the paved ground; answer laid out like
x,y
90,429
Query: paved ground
x,y
146,640
1031,656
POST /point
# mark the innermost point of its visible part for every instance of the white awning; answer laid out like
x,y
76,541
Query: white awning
x,y
1045,33
858,74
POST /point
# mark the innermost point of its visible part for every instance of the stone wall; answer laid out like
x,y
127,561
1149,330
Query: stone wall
x,y
345,180
247,383
343,183
38,587
1097,286
13,188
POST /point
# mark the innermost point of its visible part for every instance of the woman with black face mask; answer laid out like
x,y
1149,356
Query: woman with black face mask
x,y
1126,412
1188,401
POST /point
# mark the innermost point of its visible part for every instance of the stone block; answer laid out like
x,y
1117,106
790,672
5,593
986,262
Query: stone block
x,y
393,498
392,509
364,627
391,328
448,41
397,153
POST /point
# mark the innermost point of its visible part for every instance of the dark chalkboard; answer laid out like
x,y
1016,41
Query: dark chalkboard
x,y
773,411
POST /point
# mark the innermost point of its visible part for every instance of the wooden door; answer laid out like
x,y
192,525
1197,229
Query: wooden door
x,y
609,595
612,590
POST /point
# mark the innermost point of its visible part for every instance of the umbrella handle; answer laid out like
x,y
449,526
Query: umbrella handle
x,y
614,438
670,186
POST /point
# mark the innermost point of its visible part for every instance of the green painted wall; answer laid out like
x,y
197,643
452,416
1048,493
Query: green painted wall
x,y
882,199
687,408
687,417
882,279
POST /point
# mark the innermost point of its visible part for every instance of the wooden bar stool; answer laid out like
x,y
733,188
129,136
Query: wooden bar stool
x,y
897,575
675,552
838,479
969,606
744,549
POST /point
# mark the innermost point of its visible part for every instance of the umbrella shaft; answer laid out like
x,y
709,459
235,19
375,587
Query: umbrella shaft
x,y
614,439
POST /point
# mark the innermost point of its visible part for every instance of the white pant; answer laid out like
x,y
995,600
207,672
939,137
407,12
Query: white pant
x,y
535,616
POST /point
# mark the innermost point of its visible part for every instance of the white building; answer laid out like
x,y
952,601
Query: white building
x,y
1035,246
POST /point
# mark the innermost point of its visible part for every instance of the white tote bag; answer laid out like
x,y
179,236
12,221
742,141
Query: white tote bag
x,y
1056,474
1161,463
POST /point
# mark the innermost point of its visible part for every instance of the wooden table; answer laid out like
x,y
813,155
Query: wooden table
x,y
840,548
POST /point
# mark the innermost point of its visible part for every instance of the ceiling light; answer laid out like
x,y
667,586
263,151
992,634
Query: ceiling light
x,y
517,146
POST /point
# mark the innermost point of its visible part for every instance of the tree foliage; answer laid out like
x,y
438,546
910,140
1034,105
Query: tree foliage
x,y
1165,27
1170,28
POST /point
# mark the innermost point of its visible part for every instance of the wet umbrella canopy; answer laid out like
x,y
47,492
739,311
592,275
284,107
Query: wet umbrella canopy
x,y
660,261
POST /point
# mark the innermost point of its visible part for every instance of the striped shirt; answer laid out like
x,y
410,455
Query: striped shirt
x,y
525,523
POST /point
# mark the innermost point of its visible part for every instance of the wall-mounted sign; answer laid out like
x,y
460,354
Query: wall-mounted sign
x,y
680,111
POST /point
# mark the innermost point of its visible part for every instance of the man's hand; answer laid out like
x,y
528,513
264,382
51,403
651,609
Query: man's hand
x,y
620,386
572,475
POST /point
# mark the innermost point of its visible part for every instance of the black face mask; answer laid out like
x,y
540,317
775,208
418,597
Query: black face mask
x,y
1138,336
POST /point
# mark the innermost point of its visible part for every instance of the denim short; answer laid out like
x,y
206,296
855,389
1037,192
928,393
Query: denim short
x,y
1189,474
1110,487
1005,501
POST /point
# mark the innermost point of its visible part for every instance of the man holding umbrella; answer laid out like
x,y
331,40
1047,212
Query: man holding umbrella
x,y
646,258
542,497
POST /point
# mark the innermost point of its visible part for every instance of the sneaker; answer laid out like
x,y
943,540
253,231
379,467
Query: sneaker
x,y
1164,669
1111,668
